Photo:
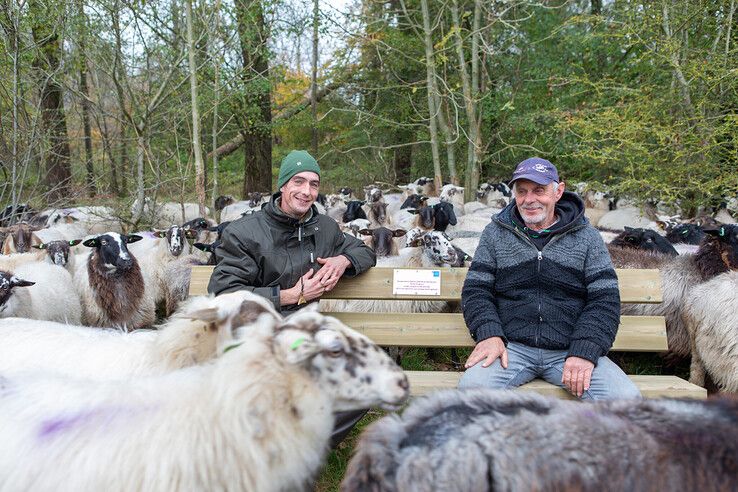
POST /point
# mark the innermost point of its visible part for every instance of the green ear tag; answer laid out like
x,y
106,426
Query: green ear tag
x,y
231,347
722,231
297,343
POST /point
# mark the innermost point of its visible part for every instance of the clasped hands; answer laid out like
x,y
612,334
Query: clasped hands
x,y
314,284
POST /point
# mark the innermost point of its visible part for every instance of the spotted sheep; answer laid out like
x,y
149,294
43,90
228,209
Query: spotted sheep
x,y
113,289
259,417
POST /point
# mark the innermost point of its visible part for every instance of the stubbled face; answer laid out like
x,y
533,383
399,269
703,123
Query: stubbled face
x,y
299,193
536,203
346,364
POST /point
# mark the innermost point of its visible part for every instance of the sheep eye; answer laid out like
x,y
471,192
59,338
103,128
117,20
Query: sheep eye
x,y
336,352
104,242
649,240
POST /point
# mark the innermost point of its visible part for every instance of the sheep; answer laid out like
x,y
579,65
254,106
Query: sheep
x,y
473,223
495,194
507,440
382,240
712,322
467,244
619,218
432,249
93,220
12,261
39,291
19,238
377,215
372,194
106,354
15,213
717,254
355,226
163,214
111,285
444,216
259,417
59,253
425,218
353,211
685,233
178,273
414,201
645,239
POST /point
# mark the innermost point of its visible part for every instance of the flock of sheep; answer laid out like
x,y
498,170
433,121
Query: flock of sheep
x,y
228,394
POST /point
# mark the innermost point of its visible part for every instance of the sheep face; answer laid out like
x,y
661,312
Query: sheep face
x,y
353,211
58,251
222,201
644,239
414,201
344,363
685,233
449,191
439,248
8,282
111,251
727,239
255,199
20,239
378,211
444,215
382,240
426,217
372,194
176,238
346,193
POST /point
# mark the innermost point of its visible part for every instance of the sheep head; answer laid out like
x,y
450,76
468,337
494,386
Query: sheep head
x,y
8,282
722,240
58,251
344,363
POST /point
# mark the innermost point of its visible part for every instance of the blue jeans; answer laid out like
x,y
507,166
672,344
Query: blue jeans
x,y
525,363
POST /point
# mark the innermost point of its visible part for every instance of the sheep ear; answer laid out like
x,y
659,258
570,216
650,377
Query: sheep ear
x,y
412,211
132,238
160,234
92,243
207,315
75,242
39,246
295,346
399,232
17,282
190,234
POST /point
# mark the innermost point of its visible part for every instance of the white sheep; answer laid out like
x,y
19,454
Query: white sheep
x,y
39,290
460,441
92,220
469,223
12,261
258,418
105,354
712,322
616,220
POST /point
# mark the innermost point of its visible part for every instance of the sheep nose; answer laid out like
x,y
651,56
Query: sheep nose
x,y
125,263
404,383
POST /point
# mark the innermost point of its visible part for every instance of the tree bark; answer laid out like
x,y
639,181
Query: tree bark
x,y
196,142
85,90
47,64
430,85
216,102
256,111
314,79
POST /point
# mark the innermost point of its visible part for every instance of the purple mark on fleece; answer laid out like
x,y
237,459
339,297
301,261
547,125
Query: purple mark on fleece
x,y
99,417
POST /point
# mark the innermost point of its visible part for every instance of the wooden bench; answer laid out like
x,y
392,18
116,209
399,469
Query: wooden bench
x,y
636,333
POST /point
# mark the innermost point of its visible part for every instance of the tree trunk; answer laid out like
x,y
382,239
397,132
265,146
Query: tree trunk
x,y
47,62
430,85
257,109
216,102
314,79
196,144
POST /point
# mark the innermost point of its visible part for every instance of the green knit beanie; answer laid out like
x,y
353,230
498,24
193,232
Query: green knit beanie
x,y
296,162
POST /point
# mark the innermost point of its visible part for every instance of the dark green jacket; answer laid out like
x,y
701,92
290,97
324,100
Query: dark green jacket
x,y
269,250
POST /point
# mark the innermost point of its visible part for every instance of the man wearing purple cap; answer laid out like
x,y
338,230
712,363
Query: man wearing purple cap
x,y
541,297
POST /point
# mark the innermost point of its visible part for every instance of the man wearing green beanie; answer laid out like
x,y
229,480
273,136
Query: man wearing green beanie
x,y
289,253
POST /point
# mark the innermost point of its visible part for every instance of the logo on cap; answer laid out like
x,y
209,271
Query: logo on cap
x,y
540,168
299,163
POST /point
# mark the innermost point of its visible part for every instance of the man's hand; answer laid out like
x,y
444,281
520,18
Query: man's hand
x,y
577,375
489,349
331,271
308,286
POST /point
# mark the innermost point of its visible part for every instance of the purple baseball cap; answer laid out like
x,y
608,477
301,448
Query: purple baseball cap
x,y
537,170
